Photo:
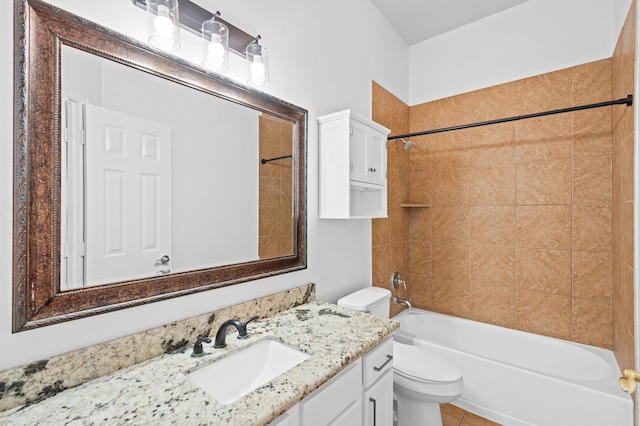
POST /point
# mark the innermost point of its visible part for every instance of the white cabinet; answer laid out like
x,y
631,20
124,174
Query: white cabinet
x,y
352,167
361,394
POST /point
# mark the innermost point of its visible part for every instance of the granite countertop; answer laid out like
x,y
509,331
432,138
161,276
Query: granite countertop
x,y
158,391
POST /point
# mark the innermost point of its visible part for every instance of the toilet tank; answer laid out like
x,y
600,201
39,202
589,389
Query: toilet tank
x,y
370,299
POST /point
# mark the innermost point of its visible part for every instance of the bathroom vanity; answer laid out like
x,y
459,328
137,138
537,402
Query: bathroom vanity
x,y
346,376
360,394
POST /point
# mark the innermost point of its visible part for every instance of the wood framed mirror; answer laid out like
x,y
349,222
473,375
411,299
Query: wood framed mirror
x,y
44,220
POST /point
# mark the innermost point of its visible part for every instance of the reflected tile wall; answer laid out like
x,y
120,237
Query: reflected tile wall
x,y
275,225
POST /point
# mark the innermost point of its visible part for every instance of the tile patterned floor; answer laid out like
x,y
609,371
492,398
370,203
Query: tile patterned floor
x,y
454,416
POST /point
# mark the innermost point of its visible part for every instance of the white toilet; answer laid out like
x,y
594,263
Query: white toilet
x,y
422,380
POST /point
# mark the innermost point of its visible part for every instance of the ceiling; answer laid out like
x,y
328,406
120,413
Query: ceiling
x,y
419,20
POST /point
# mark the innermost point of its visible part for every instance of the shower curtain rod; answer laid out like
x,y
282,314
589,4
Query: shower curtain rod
x,y
627,101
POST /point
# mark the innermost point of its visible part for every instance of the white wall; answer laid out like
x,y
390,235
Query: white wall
x,y
323,56
620,12
533,38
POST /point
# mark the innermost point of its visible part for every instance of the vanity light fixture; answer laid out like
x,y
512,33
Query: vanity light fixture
x,y
258,63
215,44
219,36
163,19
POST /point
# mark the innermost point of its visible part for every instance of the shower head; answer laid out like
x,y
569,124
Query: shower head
x,y
407,144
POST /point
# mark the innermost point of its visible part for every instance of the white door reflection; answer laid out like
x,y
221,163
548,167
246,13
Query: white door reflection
x,y
117,212
128,189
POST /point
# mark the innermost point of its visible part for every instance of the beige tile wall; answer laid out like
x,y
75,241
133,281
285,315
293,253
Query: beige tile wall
x,y
518,232
623,62
389,236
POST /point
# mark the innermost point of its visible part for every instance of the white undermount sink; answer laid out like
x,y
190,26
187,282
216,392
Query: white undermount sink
x,y
234,376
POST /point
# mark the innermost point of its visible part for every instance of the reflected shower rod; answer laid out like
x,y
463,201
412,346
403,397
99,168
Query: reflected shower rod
x,y
267,160
628,101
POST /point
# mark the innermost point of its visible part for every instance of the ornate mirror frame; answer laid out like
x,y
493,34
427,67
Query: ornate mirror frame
x,y
40,31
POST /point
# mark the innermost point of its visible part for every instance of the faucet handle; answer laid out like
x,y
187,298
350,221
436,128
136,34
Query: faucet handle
x,y
251,319
242,334
396,281
197,347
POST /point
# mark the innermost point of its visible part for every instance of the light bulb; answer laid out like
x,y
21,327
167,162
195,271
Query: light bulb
x,y
215,64
258,79
164,42
215,47
258,64
162,23
257,67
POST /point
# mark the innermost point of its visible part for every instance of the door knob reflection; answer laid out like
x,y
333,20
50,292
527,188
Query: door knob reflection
x,y
628,381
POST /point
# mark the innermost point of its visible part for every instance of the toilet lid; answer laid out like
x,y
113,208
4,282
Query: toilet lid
x,y
421,364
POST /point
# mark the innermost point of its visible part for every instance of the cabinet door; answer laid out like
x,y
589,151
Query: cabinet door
x,y
367,151
329,402
351,416
378,402
377,157
289,418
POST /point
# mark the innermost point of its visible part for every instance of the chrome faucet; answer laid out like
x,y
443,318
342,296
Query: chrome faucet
x,y
401,301
221,335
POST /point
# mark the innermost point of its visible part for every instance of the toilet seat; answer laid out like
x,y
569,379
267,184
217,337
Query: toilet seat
x,y
420,375
420,364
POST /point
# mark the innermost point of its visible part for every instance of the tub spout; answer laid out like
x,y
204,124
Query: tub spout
x,y
401,301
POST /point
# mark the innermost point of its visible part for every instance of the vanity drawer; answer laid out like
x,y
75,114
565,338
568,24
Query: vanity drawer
x,y
377,362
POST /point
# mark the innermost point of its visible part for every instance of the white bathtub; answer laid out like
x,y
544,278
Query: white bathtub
x,y
518,378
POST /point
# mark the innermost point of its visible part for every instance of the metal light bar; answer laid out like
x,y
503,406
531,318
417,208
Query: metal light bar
x,y
192,16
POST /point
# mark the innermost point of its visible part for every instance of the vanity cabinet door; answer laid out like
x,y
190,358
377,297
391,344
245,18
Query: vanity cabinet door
x,y
378,402
352,415
336,400
289,418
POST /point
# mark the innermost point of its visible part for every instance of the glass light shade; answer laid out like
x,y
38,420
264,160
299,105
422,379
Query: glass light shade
x,y
163,19
215,45
258,65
